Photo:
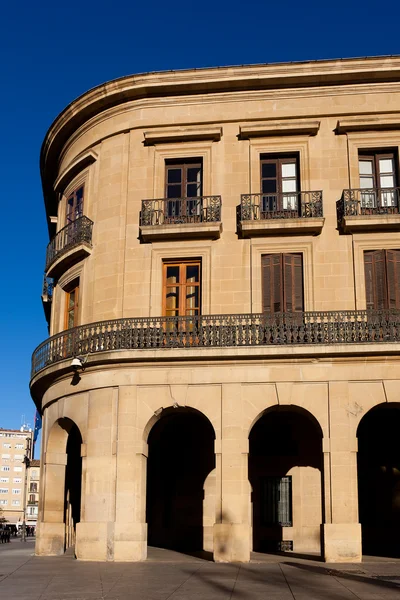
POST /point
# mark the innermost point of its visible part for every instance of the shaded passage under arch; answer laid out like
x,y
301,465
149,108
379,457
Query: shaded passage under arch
x,y
181,456
379,480
285,472
73,485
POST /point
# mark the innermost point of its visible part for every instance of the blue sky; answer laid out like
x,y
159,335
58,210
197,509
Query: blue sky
x,y
51,52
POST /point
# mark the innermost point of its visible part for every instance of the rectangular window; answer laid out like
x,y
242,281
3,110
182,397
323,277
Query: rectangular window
x,y
382,279
3,490
71,307
33,487
18,456
16,469
4,479
5,468
3,502
282,283
5,456
75,205
16,491
17,480
6,445
280,184
16,502
378,178
276,501
18,446
183,188
182,288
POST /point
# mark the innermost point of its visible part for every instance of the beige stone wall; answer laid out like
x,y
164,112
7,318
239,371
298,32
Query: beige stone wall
x,y
116,400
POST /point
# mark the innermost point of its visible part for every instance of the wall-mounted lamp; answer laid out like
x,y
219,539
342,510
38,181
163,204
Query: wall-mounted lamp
x,y
78,363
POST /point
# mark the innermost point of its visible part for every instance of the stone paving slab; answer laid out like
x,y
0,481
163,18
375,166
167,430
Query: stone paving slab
x,y
170,575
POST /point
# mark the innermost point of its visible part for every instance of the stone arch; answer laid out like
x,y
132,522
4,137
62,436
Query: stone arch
x,y
62,484
378,474
180,498
286,474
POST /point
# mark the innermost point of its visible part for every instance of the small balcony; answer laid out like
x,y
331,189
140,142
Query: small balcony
x,y
375,209
47,296
181,218
285,213
33,502
69,245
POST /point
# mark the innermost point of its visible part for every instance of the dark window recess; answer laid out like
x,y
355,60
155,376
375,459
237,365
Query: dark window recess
x,y
75,205
280,183
282,283
382,279
276,501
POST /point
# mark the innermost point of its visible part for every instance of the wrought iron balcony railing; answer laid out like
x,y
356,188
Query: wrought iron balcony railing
x,y
211,331
171,211
374,201
293,205
71,235
47,291
33,502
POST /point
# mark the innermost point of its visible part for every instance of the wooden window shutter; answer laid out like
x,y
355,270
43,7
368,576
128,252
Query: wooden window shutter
x,y
393,278
293,283
272,292
375,280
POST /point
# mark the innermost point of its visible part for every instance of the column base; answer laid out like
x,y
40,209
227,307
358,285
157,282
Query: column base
x,y
130,541
50,540
231,542
94,541
342,542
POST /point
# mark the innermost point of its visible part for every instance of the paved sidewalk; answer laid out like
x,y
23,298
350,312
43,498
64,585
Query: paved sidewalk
x,y
173,576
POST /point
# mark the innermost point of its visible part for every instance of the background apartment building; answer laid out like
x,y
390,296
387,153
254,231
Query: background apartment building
x,y
224,264
15,445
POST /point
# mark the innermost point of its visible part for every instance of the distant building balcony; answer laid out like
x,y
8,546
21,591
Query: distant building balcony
x,y
374,209
284,213
198,217
72,243
47,296
33,502
208,336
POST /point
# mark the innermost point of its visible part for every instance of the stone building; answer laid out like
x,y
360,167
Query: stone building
x,y
222,288
15,445
32,493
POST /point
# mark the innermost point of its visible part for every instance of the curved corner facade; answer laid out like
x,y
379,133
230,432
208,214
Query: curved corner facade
x,y
222,287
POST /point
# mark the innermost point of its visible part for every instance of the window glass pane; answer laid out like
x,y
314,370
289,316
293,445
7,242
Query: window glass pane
x,y
192,190
172,298
386,165
174,191
71,318
174,175
289,169
172,274
192,273
71,299
194,174
269,186
289,185
366,182
192,296
268,170
365,167
387,181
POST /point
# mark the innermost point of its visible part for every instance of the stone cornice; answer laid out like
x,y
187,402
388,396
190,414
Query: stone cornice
x,y
210,80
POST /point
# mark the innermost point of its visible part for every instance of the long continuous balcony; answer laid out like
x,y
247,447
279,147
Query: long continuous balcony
x,y
70,244
181,217
369,209
294,212
308,329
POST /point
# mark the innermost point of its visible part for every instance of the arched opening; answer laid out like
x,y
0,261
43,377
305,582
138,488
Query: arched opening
x,y
62,490
285,472
379,480
180,459
73,485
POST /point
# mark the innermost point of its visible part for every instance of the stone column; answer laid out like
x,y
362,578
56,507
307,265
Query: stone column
x,y
232,530
95,532
52,527
341,530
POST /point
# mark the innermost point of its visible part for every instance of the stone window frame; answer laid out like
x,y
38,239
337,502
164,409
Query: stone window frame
x,y
182,251
177,151
279,145
277,246
386,140
60,298
361,243
80,180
